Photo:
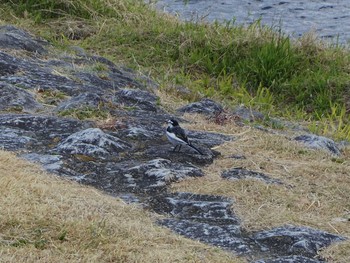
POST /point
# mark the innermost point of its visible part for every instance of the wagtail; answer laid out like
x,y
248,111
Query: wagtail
x,y
177,136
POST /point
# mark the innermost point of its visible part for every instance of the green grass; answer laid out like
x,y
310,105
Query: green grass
x,y
254,65
84,113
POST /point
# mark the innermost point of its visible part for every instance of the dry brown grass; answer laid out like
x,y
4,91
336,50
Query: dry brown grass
x,y
47,219
316,191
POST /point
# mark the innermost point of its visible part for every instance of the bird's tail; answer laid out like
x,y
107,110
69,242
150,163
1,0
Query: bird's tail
x,y
198,151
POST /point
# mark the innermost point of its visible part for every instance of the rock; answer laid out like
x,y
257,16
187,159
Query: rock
x,y
14,139
186,155
204,106
62,74
237,157
6,68
226,236
14,38
242,173
141,133
142,177
51,163
248,115
203,208
319,142
295,240
208,139
16,99
206,218
165,170
137,98
92,142
87,99
35,133
289,259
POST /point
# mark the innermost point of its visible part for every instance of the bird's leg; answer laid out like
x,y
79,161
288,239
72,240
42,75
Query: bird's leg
x,y
175,148
179,147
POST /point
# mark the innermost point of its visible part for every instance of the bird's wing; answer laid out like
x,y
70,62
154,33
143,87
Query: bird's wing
x,y
180,133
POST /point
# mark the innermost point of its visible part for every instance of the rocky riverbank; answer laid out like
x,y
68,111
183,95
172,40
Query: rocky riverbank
x,y
124,152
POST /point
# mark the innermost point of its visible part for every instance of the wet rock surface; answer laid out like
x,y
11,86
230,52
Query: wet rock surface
x,y
129,156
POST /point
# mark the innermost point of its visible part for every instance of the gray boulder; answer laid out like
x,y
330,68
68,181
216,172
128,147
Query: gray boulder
x,y
318,142
204,106
247,114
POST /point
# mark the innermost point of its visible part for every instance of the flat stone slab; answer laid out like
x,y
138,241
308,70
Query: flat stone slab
x,y
242,173
203,208
297,240
143,177
225,236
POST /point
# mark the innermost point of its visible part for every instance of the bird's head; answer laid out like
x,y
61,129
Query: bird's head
x,y
173,122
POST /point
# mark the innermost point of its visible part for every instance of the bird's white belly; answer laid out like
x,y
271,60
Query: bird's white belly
x,y
173,139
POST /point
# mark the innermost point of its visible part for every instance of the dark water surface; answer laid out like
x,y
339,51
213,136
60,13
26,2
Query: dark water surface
x,y
328,19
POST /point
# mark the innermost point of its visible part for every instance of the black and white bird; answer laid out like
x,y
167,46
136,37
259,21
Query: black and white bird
x,y
177,136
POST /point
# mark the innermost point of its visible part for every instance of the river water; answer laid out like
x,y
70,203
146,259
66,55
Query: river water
x,y
328,19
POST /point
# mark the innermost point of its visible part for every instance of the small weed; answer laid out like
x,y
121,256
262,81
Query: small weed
x,y
338,160
20,242
63,236
40,244
15,109
100,67
302,152
85,113
50,96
